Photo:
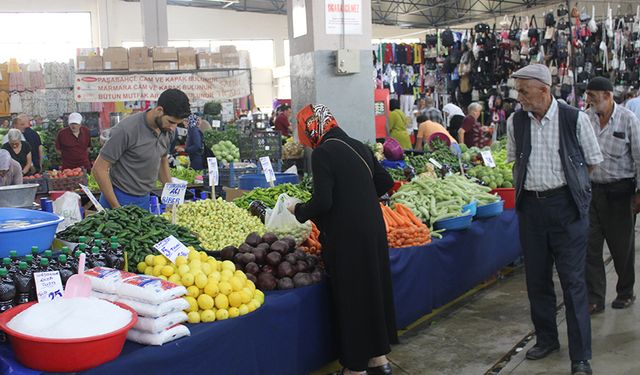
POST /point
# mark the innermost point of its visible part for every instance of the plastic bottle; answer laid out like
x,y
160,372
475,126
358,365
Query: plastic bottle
x,y
6,263
23,282
82,240
52,260
30,263
96,236
44,265
65,269
31,267
35,253
96,259
15,260
115,256
7,290
66,251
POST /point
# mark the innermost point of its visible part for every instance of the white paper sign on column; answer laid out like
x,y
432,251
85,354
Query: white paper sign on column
x,y
213,171
48,286
267,169
173,193
487,158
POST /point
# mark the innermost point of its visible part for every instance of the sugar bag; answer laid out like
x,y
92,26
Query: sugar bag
x,y
157,325
163,337
150,289
155,311
107,280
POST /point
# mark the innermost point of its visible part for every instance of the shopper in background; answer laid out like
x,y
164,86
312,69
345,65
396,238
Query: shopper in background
x,y
429,110
19,150
454,117
135,155
554,148
73,144
282,124
5,124
23,123
398,124
634,105
10,170
615,202
195,143
347,183
426,129
472,133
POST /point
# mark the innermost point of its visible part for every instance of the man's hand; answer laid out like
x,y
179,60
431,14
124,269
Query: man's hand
x,y
455,149
636,203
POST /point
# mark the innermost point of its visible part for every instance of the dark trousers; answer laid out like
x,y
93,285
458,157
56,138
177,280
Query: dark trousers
x,y
612,219
552,231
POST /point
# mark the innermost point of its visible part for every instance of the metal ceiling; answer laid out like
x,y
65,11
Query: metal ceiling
x,y
403,13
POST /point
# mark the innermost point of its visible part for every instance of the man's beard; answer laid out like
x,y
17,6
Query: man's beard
x,y
159,125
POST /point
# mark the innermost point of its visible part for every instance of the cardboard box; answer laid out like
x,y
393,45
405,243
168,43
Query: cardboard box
x,y
228,49
231,60
115,58
89,63
231,193
140,59
165,54
186,58
86,52
204,60
165,65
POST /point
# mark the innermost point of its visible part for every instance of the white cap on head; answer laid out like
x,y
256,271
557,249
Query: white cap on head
x,y
75,118
5,160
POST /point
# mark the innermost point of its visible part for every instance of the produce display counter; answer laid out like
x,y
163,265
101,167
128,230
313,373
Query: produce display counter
x,y
291,332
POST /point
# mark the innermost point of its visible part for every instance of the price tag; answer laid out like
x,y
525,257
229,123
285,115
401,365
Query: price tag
x,y
92,197
215,123
171,248
173,193
487,158
267,169
435,163
213,171
178,181
48,286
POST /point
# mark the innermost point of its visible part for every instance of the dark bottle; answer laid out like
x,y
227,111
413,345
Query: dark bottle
x,y
65,269
258,209
115,256
6,263
96,236
82,240
7,291
66,251
35,253
32,267
44,265
114,239
99,244
30,263
15,260
52,260
96,259
23,282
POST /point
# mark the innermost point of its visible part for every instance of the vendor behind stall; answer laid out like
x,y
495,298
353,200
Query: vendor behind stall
x,y
10,170
426,128
19,150
73,144
135,155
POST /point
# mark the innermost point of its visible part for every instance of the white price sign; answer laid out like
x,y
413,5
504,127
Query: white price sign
x,y
92,197
213,171
171,248
48,286
267,169
435,163
173,193
487,158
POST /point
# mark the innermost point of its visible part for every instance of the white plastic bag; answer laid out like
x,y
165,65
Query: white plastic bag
x,y
164,337
284,224
67,206
156,311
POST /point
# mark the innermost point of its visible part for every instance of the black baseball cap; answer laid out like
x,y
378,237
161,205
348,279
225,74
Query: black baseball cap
x,y
175,103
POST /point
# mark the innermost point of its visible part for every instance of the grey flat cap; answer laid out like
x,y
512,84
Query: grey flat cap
x,y
538,72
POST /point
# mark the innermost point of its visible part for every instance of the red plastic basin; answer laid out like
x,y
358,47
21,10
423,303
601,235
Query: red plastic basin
x,y
508,195
65,355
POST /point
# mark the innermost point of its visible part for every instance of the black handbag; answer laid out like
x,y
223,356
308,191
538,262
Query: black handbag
x,y
563,24
447,38
549,20
578,59
431,40
482,28
533,28
562,11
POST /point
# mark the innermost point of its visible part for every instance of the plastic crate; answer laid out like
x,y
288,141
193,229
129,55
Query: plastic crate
x,y
259,144
67,183
42,184
230,176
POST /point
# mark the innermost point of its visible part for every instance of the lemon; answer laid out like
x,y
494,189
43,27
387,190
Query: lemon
x,y
215,277
167,271
222,302
222,314
180,260
241,275
235,299
193,291
149,260
207,316
203,256
234,312
249,284
226,275
259,296
236,283
159,260
253,305
228,265
193,317
163,277
157,270
245,295
211,289
201,280
219,266
188,279
182,269
243,309
206,268
148,271
141,267
193,255
205,302
225,288
213,262
175,278
193,304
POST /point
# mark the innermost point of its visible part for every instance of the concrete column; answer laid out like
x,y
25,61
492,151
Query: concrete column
x,y
154,23
313,68
105,11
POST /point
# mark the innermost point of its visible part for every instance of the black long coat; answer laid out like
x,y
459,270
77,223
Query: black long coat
x,y
345,208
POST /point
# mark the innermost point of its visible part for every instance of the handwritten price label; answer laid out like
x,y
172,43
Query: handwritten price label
x,y
92,198
173,193
267,169
48,286
172,248
487,158
212,163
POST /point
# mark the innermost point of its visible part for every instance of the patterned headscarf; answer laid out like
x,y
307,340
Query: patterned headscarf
x,y
314,121
193,120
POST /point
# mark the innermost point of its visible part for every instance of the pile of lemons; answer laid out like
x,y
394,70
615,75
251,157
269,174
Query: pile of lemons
x,y
215,289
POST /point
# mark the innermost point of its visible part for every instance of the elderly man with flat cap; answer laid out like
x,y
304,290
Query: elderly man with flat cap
x,y
616,200
554,149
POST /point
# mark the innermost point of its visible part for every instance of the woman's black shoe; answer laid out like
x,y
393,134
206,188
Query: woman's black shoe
x,y
380,370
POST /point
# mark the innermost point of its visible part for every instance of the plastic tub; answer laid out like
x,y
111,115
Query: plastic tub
x,y
490,210
472,207
65,355
39,233
455,223
252,181
508,195
18,195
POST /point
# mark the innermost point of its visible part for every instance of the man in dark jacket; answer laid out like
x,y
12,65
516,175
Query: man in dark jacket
x,y
554,148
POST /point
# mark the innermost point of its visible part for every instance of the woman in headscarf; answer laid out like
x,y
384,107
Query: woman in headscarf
x,y
454,118
195,143
10,170
398,124
347,183
19,150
